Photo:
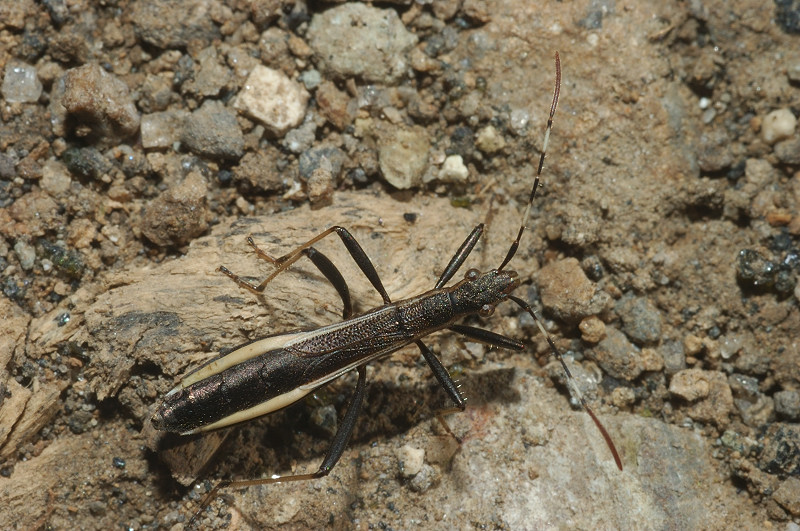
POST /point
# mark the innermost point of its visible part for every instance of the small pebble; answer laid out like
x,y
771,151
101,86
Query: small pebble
x,y
300,138
21,84
313,159
755,413
641,320
212,130
55,178
311,79
674,356
177,215
788,495
744,386
652,360
489,141
593,330
453,170
172,25
617,356
787,404
355,40
424,480
788,151
568,293
690,385
273,99
520,118
25,254
403,157
162,129
411,460
333,105
778,125
781,449
708,393
100,105
623,397
754,270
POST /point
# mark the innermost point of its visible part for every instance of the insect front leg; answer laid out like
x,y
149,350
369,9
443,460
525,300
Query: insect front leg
x,y
460,256
447,383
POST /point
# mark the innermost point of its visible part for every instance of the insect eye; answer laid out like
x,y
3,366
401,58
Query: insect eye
x,y
486,310
472,274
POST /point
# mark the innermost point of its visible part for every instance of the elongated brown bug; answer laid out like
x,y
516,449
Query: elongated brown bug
x,y
272,372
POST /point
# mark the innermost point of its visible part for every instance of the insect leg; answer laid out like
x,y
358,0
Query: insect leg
x,y
477,334
359,256
340,440
460,256
325,266
485,336
447,383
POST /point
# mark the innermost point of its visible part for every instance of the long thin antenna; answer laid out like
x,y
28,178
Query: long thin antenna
x,y
572,385
515,245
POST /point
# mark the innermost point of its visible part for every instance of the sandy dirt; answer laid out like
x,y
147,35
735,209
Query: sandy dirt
x,y
662,253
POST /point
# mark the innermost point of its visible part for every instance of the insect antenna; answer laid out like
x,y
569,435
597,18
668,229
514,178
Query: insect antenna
x,y
574,390
515,244
572,385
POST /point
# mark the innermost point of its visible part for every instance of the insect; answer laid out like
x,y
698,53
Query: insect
x,y
272,372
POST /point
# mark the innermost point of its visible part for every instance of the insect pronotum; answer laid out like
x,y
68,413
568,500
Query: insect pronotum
x,y
272,372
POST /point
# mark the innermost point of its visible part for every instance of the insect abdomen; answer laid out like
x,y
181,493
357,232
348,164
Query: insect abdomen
x,y
207,404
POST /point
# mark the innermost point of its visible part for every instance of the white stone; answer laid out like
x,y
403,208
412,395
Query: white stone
x,y
162,129
489,140
453,169
25,254
778,125
403,157
21,84
411,460
273,99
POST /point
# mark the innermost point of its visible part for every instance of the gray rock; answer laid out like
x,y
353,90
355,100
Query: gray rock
x,y
173,23
212,130
674,356
788,151
356,40
310,160
787,404
641,320
617,356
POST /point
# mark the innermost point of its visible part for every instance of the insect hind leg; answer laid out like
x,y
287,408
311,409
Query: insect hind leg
x,y
335,451
328,269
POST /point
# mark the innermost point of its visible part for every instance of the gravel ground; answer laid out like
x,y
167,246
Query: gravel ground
x,y
142,141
